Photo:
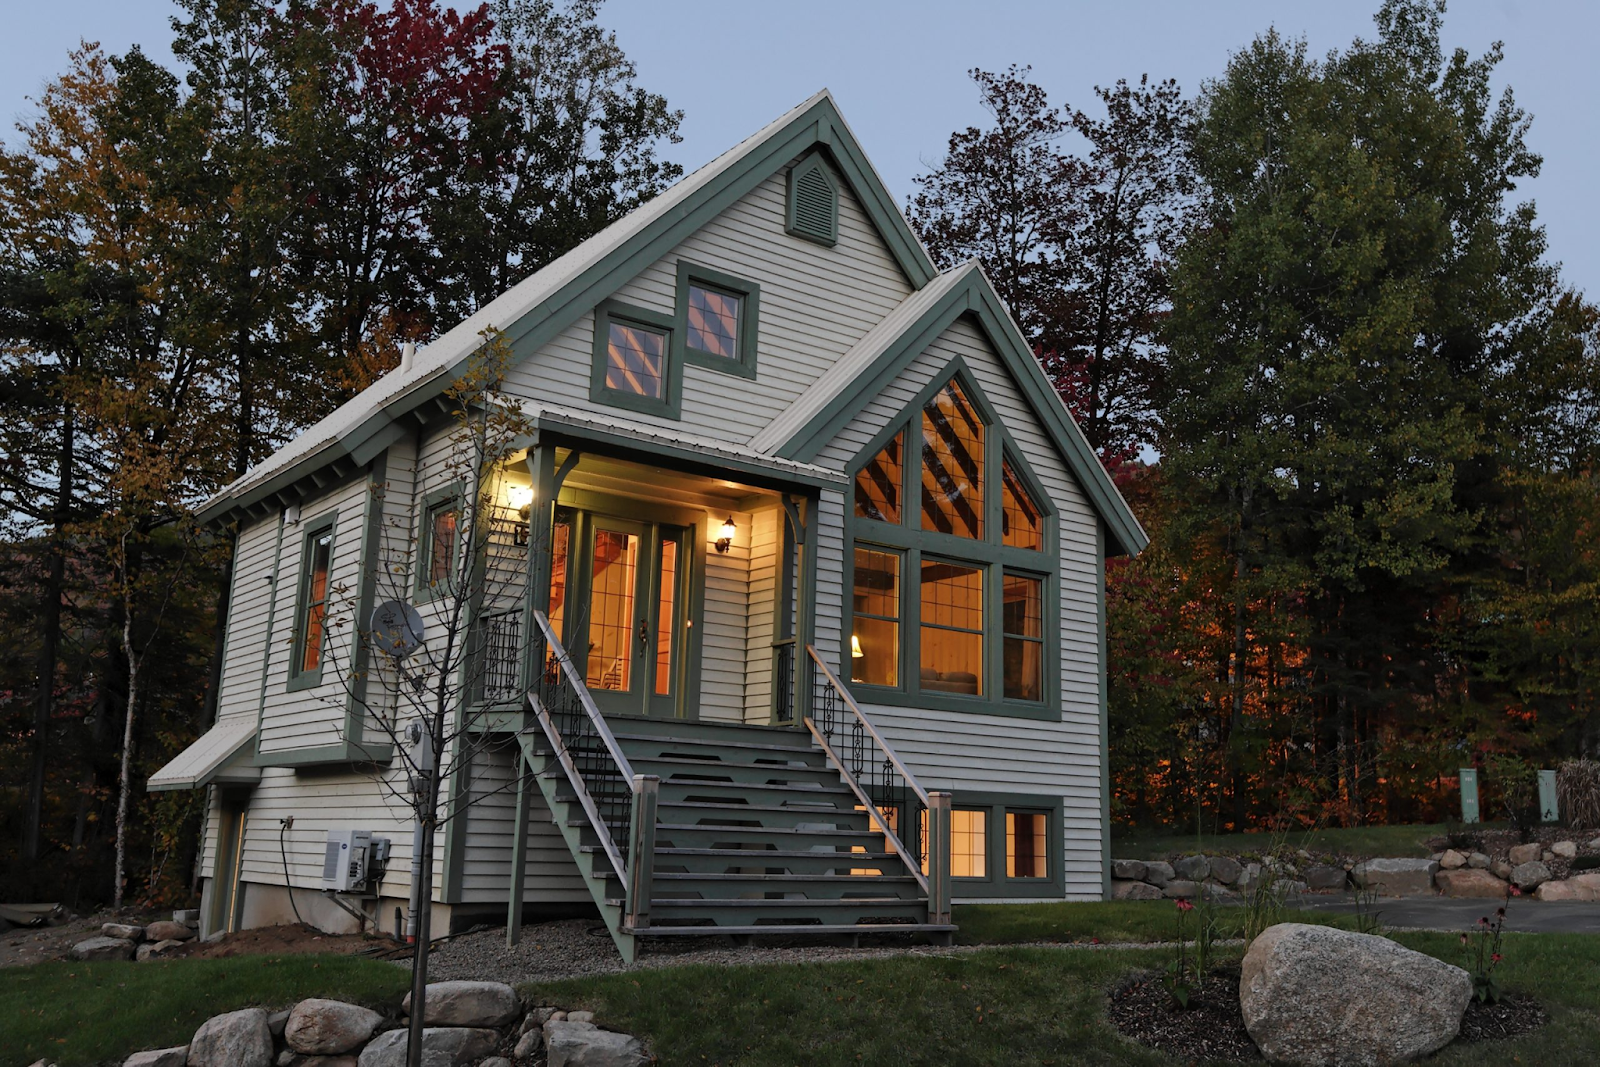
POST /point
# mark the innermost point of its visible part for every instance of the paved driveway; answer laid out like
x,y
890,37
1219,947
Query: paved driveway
x,y
1444,913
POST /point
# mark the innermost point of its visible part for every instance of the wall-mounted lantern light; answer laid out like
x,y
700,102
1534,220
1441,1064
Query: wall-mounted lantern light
x,y
725,536
521,498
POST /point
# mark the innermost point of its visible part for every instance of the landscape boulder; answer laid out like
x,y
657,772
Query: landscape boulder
x,y
1579,887
1521,854
1502,870
1470,882
1181,889
528,1045
1396,877
167,930
1132,870
442,1046
1249,877
1193,868
582,1044
156,948
1313,996
468,1004
1158,873
1565,849
1451,860
1325,878
1479,860
329,1027
1225,869
1531,875
125,931
103,948
235,1039
159,1057
1134,891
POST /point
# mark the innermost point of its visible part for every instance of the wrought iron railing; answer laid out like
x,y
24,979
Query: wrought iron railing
x,y
783,681
498,657
883,785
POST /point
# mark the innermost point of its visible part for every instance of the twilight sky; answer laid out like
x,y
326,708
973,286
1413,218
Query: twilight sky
x,y
898,67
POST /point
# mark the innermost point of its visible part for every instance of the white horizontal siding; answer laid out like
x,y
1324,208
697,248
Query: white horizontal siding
x,y
765,549
239,691
549,875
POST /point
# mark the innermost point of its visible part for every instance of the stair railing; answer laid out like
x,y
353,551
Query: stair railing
x,y
880,780
620,805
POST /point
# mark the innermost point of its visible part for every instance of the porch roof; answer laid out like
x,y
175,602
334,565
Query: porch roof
x,y
209,758
676,446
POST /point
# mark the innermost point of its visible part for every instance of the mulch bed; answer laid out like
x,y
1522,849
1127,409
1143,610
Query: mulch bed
x,y
1212,1027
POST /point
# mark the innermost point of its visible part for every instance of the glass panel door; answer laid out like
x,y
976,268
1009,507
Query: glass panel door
x,y
668,633
634,620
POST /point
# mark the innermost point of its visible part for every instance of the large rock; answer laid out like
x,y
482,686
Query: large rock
x,y
1134,891
1193,868
156,949
125,931
1578,887
442,1046
1132,870
1565,849
1313,996
1451,860
329,1027
528,1045
1502,870
1521,854
581,1044
160,1057
1158,873
167,930
1225,869
1531,875
1470,882
1326,878
1396,877
468,1004
1249,878
237,1039
1478,859
1181,889
103,948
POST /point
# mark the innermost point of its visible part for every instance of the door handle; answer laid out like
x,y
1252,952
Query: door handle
x,y
644,637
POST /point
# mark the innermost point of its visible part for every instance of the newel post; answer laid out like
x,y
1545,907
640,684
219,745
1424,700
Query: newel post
x,y
641,850
938,846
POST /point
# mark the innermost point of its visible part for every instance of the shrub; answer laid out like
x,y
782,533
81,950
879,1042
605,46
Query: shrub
x,y
1578,790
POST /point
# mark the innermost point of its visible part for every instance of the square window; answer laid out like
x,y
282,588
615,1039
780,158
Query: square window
x,y
1025,845
969,842
636,360
713,323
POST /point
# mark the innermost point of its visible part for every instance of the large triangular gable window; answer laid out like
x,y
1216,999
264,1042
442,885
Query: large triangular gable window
x,y
952,580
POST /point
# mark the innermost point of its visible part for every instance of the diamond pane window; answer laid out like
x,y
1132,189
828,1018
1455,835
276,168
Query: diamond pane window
x,y
878,483
636,360
713,324
952,464
1022,521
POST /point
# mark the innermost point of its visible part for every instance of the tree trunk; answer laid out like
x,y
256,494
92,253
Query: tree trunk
x,y
49,642
1240,650
419,963
125,775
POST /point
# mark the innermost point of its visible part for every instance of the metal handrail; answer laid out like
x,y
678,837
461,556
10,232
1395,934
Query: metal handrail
x,y
850,702
584,697
912,863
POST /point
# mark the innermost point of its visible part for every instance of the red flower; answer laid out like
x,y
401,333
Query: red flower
x,y
1495,957
1184,905
1515,891
1483,921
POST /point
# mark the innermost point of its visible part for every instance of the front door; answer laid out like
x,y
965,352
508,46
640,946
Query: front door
x,y
634,621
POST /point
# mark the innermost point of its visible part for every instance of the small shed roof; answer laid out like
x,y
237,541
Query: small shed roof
x,y
210,758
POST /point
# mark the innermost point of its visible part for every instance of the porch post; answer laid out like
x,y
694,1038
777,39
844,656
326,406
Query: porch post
x,y
805,606
938,846
541,518
641,850
519,852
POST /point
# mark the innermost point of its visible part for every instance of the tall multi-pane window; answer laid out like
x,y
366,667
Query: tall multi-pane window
x,y
1022,623
1025,845
314,601
875,639
952,463
952,628
442,522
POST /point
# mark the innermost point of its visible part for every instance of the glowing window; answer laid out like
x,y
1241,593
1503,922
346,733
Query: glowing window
x,y
1022,615
952,464
636,360
315,599
1025,845
878,483
952,628
1022,523
875,632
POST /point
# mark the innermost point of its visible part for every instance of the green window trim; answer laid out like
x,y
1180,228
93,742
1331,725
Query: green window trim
x,y
670,403
996,883
424,590
811,210
749,295
995,559
314,530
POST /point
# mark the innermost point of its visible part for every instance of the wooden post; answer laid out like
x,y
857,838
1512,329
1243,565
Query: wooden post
x,y
641,850
519,851
938,845
541,516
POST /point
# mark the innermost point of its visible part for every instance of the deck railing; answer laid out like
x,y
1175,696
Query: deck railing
x,y
882,785
620,805
498,655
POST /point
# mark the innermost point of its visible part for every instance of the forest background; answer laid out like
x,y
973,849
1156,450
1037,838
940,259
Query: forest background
x,y
1296,309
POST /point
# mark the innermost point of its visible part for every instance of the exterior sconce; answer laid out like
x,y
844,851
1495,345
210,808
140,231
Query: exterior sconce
x,y
855,648
725,535
521,498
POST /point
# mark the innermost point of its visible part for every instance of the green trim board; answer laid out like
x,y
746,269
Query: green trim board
x,y
974,296
817,122
811,208
913,544
266,641
996,884
748,295
614,312
1103,682
684,458
326,524
367,581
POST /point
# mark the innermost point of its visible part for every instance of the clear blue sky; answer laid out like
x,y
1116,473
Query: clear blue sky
x,y
899,68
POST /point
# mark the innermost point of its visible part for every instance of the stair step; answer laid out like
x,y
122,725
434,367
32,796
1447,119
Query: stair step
x,y
794,861
646,745
796,834
706,731
746,912
822,889
781,768
779,930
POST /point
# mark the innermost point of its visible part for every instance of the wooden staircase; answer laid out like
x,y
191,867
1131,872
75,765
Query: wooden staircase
x,y
755,833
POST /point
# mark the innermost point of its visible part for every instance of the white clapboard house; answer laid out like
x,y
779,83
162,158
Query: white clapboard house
x,y
822,536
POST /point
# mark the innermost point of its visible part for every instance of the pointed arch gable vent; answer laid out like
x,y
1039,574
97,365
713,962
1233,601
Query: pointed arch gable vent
x,y
813,211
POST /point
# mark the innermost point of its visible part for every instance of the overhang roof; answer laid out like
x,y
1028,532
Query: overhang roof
x,y
209,758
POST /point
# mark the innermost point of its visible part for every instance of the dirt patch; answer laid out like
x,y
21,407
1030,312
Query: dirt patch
x,y
280,941
1513,1016
22,945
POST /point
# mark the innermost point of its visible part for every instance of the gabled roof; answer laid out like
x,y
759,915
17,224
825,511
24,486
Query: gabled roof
x,y
537,308
842,391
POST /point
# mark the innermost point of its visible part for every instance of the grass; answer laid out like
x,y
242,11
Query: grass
x,y
1398,841
1110,921
84,1013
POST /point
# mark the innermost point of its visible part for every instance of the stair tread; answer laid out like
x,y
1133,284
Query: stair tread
x,y
712,742
821,928
726,828
768,853
802,902
864,879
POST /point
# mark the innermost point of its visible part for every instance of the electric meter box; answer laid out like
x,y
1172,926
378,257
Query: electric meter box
x,y
345,863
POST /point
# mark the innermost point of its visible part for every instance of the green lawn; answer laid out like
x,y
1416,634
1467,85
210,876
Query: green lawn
x,y
1110,922
1355,841
83,1013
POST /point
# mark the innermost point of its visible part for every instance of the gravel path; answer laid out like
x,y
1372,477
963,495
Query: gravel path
x,y
575,948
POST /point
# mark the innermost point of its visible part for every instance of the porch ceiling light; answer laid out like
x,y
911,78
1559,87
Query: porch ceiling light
x,y
725,536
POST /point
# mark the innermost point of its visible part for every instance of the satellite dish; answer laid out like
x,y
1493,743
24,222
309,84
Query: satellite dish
x,y
396,629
